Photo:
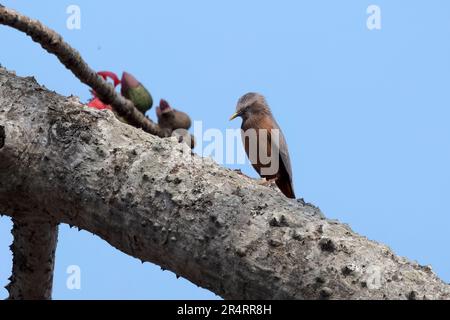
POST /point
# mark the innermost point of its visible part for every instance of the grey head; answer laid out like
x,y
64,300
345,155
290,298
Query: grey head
x,y
251,104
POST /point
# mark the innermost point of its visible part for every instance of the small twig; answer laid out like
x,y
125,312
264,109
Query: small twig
x,y
53,43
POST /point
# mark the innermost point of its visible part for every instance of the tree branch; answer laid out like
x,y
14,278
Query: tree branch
x,y
153,200
53,43
34,247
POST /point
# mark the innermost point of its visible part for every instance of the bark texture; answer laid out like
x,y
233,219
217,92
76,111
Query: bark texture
x,y
154,200
34,247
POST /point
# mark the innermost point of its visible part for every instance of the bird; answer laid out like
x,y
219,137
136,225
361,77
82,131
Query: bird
x,y
133,90
172,118
259,125
176,121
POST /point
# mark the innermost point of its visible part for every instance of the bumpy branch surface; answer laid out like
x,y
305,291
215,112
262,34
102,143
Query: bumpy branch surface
x,y
152,199
72,60
34,247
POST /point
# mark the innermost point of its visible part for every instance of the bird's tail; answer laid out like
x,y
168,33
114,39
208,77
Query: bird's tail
x,y
286,187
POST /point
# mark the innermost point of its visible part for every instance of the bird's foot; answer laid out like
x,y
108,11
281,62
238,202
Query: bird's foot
x,y
267,182
239,171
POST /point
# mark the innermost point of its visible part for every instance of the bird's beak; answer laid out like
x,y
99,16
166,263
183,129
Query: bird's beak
x,y
234,116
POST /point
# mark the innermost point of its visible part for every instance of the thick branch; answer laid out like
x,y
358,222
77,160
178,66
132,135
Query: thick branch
x,y
72,60
34,247
151,199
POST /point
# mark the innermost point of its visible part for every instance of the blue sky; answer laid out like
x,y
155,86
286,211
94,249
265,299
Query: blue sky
x,y
365,113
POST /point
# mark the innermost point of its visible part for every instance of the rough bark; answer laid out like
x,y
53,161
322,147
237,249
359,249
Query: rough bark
x,y
154,200
33,248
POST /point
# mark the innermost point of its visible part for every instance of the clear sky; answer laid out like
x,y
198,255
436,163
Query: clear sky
x,y
365,112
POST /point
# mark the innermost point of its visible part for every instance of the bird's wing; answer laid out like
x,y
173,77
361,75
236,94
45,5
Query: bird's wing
x,y
281,147
273,143
284,182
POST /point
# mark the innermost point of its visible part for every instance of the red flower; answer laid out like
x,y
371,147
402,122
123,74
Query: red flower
x,y
98,104
95,102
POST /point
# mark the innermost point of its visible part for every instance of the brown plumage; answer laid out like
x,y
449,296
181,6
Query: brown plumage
x,y
178,121
172,118
258,122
